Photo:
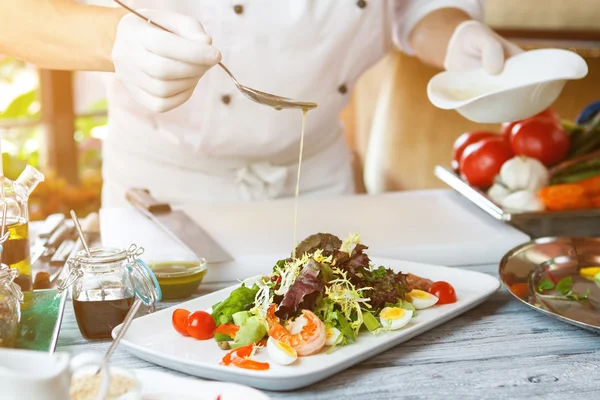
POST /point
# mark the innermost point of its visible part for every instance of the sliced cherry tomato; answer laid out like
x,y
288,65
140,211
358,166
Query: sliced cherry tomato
x,y
540,138
464,140
227,329
243,351
247,363
180,321
443,291
481,161
201,325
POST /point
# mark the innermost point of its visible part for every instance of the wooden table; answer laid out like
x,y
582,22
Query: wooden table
x,y
500,350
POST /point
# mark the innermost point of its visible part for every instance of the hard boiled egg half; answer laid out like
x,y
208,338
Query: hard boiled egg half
x,y
421,299
332,335
395,317
281,353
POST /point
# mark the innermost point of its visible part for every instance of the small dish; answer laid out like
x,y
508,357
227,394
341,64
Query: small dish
x,y
127,378
530,83
179,276
522,269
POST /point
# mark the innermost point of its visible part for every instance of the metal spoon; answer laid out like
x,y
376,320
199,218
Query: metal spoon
x,y
267,99
80,233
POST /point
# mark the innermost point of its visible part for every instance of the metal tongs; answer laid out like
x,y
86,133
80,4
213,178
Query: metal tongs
x,y
267,99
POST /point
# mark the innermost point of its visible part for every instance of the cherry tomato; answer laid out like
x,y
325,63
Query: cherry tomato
x,y
540,138
481,161
463,141
201,325
443,291
547,113
180,321
227,329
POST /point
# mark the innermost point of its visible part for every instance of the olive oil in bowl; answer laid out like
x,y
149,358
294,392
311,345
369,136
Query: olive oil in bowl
x,y
178,279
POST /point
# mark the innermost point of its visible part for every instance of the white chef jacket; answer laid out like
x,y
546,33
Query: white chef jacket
x,y
220,146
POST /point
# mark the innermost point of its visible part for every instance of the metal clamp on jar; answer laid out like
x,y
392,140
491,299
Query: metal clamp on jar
x,y
106,282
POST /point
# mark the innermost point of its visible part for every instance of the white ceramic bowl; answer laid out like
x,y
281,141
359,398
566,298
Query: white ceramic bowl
x,y
530,83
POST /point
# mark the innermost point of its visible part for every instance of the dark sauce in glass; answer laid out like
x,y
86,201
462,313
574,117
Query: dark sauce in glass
x,y
96,319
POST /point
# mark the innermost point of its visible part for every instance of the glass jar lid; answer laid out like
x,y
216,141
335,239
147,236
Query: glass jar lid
x,y
145,283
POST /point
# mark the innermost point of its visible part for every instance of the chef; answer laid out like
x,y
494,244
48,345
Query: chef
x,y
177,124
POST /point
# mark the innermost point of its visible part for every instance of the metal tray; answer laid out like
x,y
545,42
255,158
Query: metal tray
x,y
534,224
560,255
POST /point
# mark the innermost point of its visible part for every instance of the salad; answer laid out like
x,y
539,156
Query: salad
x,y
320,298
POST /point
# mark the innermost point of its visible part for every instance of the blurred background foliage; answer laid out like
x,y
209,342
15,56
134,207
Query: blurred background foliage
x,y
23,143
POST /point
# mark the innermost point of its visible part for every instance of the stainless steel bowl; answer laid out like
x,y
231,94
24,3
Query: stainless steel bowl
x,y
521,267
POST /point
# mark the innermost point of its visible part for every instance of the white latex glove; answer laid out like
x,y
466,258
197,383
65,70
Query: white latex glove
x,y
474,45
161,69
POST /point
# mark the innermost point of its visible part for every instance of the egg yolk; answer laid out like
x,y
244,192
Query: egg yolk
x,y
286,348
419,294
392,313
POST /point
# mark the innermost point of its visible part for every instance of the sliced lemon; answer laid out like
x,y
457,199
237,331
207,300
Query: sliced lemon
x,y
589,272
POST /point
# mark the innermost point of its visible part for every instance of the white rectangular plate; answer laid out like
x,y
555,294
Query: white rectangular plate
x,y
153,338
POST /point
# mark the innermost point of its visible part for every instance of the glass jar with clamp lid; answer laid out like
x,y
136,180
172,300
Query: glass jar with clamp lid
x,y
105,284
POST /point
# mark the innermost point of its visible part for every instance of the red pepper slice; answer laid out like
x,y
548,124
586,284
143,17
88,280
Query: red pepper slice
x,y
238,357
247,363
228,329
243,351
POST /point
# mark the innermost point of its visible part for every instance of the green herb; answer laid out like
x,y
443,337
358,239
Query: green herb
x,y
565,285
326,273
345,327
279,265
544,285
370,321
241,299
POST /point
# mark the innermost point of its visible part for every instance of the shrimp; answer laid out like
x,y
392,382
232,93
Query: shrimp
x,y
309,332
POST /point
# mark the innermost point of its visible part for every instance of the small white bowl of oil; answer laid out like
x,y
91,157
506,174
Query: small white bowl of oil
x,y
529,83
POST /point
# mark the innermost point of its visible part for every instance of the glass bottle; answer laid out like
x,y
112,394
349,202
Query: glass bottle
x,y
10,310
105,284
16,249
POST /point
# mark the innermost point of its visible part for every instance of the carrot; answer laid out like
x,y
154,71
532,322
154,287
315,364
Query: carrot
x,y
521,290
590,185
565,197
596,201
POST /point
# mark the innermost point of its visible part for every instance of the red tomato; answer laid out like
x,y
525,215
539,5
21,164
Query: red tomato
x,y
463,141
547,113
481,161
443,291
201,325
180,321
540,138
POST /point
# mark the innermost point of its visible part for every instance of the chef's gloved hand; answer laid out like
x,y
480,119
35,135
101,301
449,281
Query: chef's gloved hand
x,y
474,45
161,69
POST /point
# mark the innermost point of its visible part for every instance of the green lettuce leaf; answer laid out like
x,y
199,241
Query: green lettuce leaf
x,y
241,299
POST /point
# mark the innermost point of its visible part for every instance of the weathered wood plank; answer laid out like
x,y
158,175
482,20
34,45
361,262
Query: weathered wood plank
x,y
499,350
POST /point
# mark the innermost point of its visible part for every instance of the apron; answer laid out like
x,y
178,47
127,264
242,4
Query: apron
x,y
221,147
